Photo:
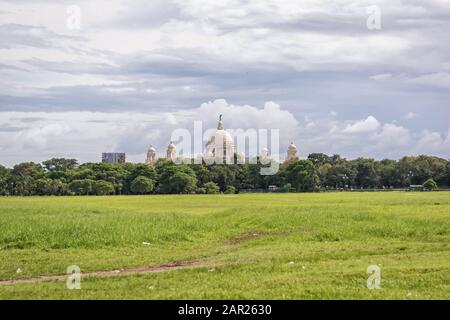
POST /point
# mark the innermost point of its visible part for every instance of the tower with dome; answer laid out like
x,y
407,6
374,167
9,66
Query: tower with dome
x,y
220,145
291,152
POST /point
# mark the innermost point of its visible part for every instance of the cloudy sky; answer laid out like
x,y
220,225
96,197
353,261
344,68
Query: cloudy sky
x,y
136,70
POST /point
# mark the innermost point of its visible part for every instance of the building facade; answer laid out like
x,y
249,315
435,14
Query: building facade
x,y
113,157
219,148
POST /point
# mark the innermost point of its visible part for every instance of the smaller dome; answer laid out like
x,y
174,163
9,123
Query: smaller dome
x,y
264,152
241,156
152,149
292,146
171,145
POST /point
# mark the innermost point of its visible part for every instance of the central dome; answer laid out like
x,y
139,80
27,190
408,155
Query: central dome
x,y
220,146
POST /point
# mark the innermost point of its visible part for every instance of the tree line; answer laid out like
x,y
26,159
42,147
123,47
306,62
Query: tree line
x,y
318,172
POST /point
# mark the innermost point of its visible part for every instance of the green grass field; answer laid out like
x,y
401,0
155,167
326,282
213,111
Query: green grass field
x,y
250,246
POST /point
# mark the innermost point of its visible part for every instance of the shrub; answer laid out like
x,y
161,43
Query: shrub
x,y
81,187
230,190
287,187
200,191
102,188
211,188
176,179
430,185
142,185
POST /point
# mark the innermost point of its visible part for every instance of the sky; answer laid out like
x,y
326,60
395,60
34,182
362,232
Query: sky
x,y
126,74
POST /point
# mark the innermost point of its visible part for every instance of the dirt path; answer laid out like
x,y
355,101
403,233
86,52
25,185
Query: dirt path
x,y
112,273
234,241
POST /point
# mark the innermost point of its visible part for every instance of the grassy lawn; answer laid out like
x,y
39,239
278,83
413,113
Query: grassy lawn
x,y
250,246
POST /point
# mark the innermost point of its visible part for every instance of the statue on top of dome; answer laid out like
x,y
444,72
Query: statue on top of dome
x,y
220,124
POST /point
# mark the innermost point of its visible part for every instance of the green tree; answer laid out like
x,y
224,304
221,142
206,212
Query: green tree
x,y
243,179
142,185
367,175
82,173
302,175
387,171
58,188
230,190
323,170
430,185
43,186
113,173
211,188
81,187
102,188
60,164
64,176
287,187
341,175
202,173
448,174
200,191
415,170
4,174
223,175
182,182
138,170
319,158
176,178
22,180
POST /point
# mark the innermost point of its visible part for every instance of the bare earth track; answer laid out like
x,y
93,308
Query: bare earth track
x,y
112,273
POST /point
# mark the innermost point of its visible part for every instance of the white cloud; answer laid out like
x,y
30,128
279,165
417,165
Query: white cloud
x,y
381,76
433,143
363,126
438,79
410,115
392,134
39,137
120,90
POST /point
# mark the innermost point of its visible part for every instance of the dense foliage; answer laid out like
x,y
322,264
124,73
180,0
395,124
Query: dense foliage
x,y
318,172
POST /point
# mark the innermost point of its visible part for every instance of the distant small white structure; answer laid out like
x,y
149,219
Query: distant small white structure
x,y
240,157
264,153
151,156
171,151
291,152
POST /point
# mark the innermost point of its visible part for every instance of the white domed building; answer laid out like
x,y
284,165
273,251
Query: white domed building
x,y
220,146
170,154
291,152
151,156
